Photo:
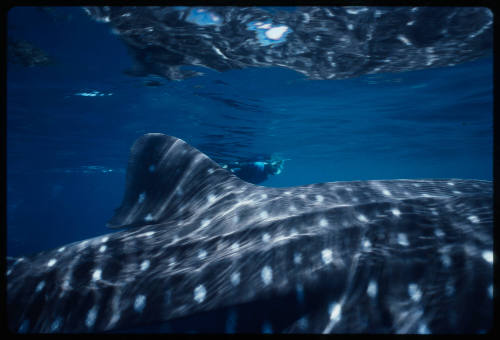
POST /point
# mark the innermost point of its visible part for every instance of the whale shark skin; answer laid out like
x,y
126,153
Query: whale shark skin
x,y
320,42
203,251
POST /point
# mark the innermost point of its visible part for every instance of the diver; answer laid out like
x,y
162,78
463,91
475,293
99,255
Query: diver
x,y
256,171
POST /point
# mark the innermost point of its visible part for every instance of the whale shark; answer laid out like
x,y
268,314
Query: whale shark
x,y
199,250
319,42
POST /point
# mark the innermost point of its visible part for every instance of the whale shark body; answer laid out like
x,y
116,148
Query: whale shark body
x,y
320,42
203,251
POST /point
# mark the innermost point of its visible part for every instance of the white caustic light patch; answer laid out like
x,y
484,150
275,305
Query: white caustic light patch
x,y
276,33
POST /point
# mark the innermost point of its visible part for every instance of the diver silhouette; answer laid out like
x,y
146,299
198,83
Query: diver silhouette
x,y
256,171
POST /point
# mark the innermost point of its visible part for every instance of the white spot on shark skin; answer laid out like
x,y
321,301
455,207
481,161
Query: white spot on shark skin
x,y
236,219
263,196
423,329
323,222
396,212
386,192
446,260
302,196
473,219
235,246
372,289
199,293
367,244
264,214
96,275
297,258
91,316
235,278
266,237
104,239
266,275
488,256
202,254
139,303
414,292
40,286
450,183
438,233
319,198
326,256
211,198
267,328
210,171
350,27
102,248
456,192
205,222
403,239
292,208
56,324
288,193
142,196
145,265
148,218
490,291
362,218
51,262
65,284
60,250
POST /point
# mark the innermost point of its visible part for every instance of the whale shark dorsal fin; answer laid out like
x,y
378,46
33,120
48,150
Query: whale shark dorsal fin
x,y
164,174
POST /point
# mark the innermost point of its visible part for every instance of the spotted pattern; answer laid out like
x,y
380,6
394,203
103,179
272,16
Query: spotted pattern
x,y
320,256
266,275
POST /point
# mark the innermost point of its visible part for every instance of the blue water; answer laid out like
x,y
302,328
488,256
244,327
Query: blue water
x,y
67,153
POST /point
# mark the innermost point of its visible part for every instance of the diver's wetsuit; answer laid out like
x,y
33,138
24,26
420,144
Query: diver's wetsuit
x,y
255,172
